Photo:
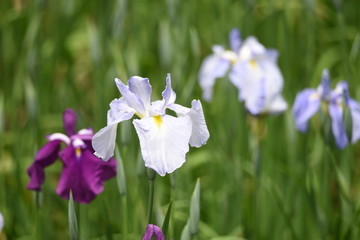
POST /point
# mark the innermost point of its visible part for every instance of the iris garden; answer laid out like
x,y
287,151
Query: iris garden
x,y
179,120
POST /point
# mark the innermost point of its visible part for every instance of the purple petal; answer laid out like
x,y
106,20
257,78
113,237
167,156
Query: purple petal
x,y
168,94
153,230
325,85
69,121
44,157
337,126
307,103
355,114
84,175
235,40
132,100
141,88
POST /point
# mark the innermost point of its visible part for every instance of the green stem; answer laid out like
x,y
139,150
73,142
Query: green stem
x,y
124,215
38,215
151,199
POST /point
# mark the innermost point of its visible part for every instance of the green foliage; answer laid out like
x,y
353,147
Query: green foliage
x,y
65,54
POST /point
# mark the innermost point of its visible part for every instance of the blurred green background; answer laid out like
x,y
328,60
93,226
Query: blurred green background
x,y
65,54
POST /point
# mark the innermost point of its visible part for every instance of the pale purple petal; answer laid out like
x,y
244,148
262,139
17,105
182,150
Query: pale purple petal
x,y
276,106
168,94
337,126
153,230
355,114
119,111
2,222
164,141
213,66
235,40
84,176
325,85
132,100
69,121
306,104
141,88
44,157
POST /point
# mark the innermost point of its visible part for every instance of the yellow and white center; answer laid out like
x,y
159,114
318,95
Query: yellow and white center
x,y
158,120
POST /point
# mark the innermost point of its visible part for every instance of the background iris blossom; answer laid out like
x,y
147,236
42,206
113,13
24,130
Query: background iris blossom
x,y
164,139
83,173
152,230
309,101
254,72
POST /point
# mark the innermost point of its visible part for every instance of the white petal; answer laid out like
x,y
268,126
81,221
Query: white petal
x,y
213,66
278,105
1,222
59,136
119,111
164,142
103,142
355,113
200,133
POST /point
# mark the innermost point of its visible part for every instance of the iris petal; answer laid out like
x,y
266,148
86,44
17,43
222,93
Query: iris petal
x,y
307,103
337,126
164,141
141,88
44,157
103,142
168,94
153,230
84,176
235,40
355,114
213,66
69,121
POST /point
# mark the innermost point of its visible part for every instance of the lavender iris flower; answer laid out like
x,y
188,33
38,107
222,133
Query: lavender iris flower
x,y
253,70
309,101
164,139
153,230
82,172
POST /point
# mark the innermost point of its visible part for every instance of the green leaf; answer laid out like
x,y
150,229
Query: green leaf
x,y
166,222
120,176
194,218
73,226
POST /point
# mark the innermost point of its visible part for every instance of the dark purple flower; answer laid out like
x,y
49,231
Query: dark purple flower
x,y
153,230
83,173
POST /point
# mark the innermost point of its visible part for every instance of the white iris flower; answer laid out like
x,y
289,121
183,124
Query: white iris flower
x,y
164,139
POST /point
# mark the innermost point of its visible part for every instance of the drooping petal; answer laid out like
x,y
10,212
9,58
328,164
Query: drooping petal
x,y
168,94
69,121
273,86
164,141
141,88
44,157
276,106
200,133
103,142
84,175
337,126
213,66
355,114
132,100
306,104
250,81
235,40
153,230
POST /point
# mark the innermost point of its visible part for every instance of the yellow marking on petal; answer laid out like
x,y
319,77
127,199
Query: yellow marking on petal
x,y
158,120
314,96
139,115
78,152
253,63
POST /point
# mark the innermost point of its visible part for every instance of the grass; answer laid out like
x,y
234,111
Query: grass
x,y
58,54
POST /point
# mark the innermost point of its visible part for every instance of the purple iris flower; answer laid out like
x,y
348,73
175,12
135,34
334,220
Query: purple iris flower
x,y
309,101
251,68
153,230
83,173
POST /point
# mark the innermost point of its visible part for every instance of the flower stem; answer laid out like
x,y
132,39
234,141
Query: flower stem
x,y
151,176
